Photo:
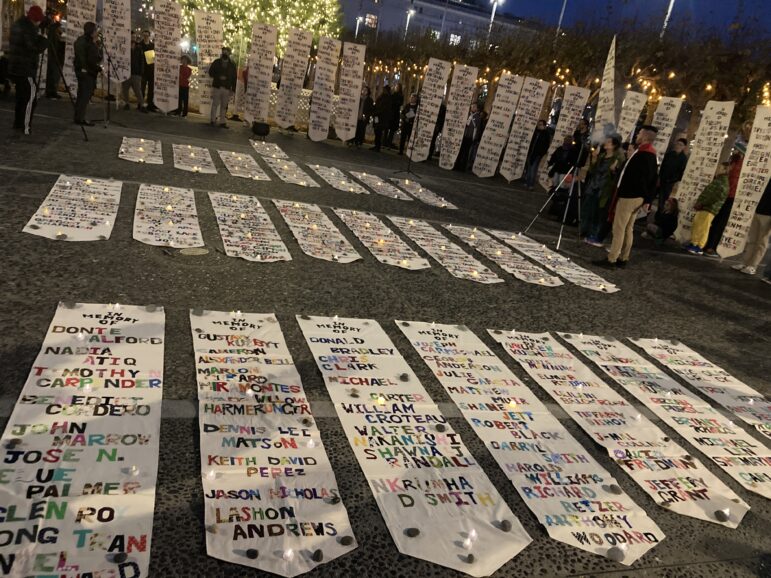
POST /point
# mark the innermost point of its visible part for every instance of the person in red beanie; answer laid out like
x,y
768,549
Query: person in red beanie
x,y
26,44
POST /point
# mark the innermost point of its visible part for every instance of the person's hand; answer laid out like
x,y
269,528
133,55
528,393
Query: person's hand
x,y
646,207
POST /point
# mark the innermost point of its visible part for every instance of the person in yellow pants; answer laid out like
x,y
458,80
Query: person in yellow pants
x,y
707,206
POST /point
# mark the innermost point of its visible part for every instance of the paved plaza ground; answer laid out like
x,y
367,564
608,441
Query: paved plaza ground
x,y
724,315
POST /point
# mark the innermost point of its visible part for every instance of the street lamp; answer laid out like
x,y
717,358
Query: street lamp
x,y
359,20
492,17
410,14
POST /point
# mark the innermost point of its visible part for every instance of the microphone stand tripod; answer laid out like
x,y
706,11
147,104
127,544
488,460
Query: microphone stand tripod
x,y
66,86
411,144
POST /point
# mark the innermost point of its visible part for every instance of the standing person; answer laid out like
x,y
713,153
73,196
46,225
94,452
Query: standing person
x,y
184,85
366,110
539,146
757,239
382,118
672,168
223,85
559,161
636,187
87,69
408,114
397,100
438,128
470,133
477,138
600,181
135,80
54,64
148,71
708,205
579,152
25,47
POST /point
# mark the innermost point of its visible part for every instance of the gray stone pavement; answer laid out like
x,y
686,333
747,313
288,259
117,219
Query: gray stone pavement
x,y
667,294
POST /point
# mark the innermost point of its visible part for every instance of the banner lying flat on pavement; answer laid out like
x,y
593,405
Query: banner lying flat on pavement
x,y
260,445
293,68
289,172
423,194
260,67
684,412
457,262
573,105
458,103
321,104
315,233
555,262
504,257
77,209
141,150
166,217
81,447
243,165
736,396
268,149
381,186
436,500
381,241
664,119
246,229
167,18
431,95
529,108
349,91
338,179
549,469
193,159
497,128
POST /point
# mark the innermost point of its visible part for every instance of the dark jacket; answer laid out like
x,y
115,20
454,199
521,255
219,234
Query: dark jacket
x,y
137,60
667,223
580,150
223,73
397,100
603,175
408,119
87,56
639,176
25,47
383,109
559,161
539,146
672,167
473,128
764,205
149,68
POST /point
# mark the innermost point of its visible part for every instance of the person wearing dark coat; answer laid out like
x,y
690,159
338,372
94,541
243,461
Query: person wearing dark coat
x,y
224,77
581,148
87,69
366,110
55,59
671,170
397,100
471,133
409,112
382,119
134,81
539,146
559,161
438,128
148,72
26,44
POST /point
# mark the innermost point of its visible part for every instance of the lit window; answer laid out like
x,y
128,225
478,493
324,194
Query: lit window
x,y
370,21
454,39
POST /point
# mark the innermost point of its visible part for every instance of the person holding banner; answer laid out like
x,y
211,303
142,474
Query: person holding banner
x,y
148,71
135,80
382,119
409,112
26,45
539,146
87,69
757,239
224,77
366,110
708,205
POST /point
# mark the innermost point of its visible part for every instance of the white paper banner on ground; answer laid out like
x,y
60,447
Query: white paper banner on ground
x,y
752,182
208,38
78,13
529,109
289,172
664,119
268,149
320,113
573,105
349,91
706,147
736,396
141,150
382,242
457,262
168,19
338,179
549,469
246,229
636,444
497,128
247,382
504,257
315,233
556,262
431,95
458,102
116,25
436,500
166,217
292,76
81,452
193,159
684,412
243,165
381,186
423,194
77,209
631,532
630,113
260,67
605,119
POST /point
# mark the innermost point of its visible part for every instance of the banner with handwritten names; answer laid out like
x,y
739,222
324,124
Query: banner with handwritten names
x,y
458,102
498,125
246,229
81,446
77,209
208,38
706,148
260,67
243,165
423,194
316,233
289,172
349,91
268,149
437,502
605,118
573,105
338,179
321,105
504,257
630,113
293,70
193,159
260,445
457,262
529,107
431,95
168,20
385,246
664,119
78,13
381,186
116,28
753,180
141,150
166,217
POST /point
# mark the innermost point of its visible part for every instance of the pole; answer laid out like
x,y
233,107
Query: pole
x,y
407,27
358,22
562,15
492,17
666,18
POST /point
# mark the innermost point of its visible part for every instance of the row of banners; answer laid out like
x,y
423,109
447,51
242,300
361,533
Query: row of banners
x,y
271,500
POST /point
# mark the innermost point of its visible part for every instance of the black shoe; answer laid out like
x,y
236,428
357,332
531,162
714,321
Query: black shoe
x,y
621,264
376,149
84,123
126,106
223,125
604,263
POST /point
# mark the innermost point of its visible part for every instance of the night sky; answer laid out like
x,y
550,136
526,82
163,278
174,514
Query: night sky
x,y
715,14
